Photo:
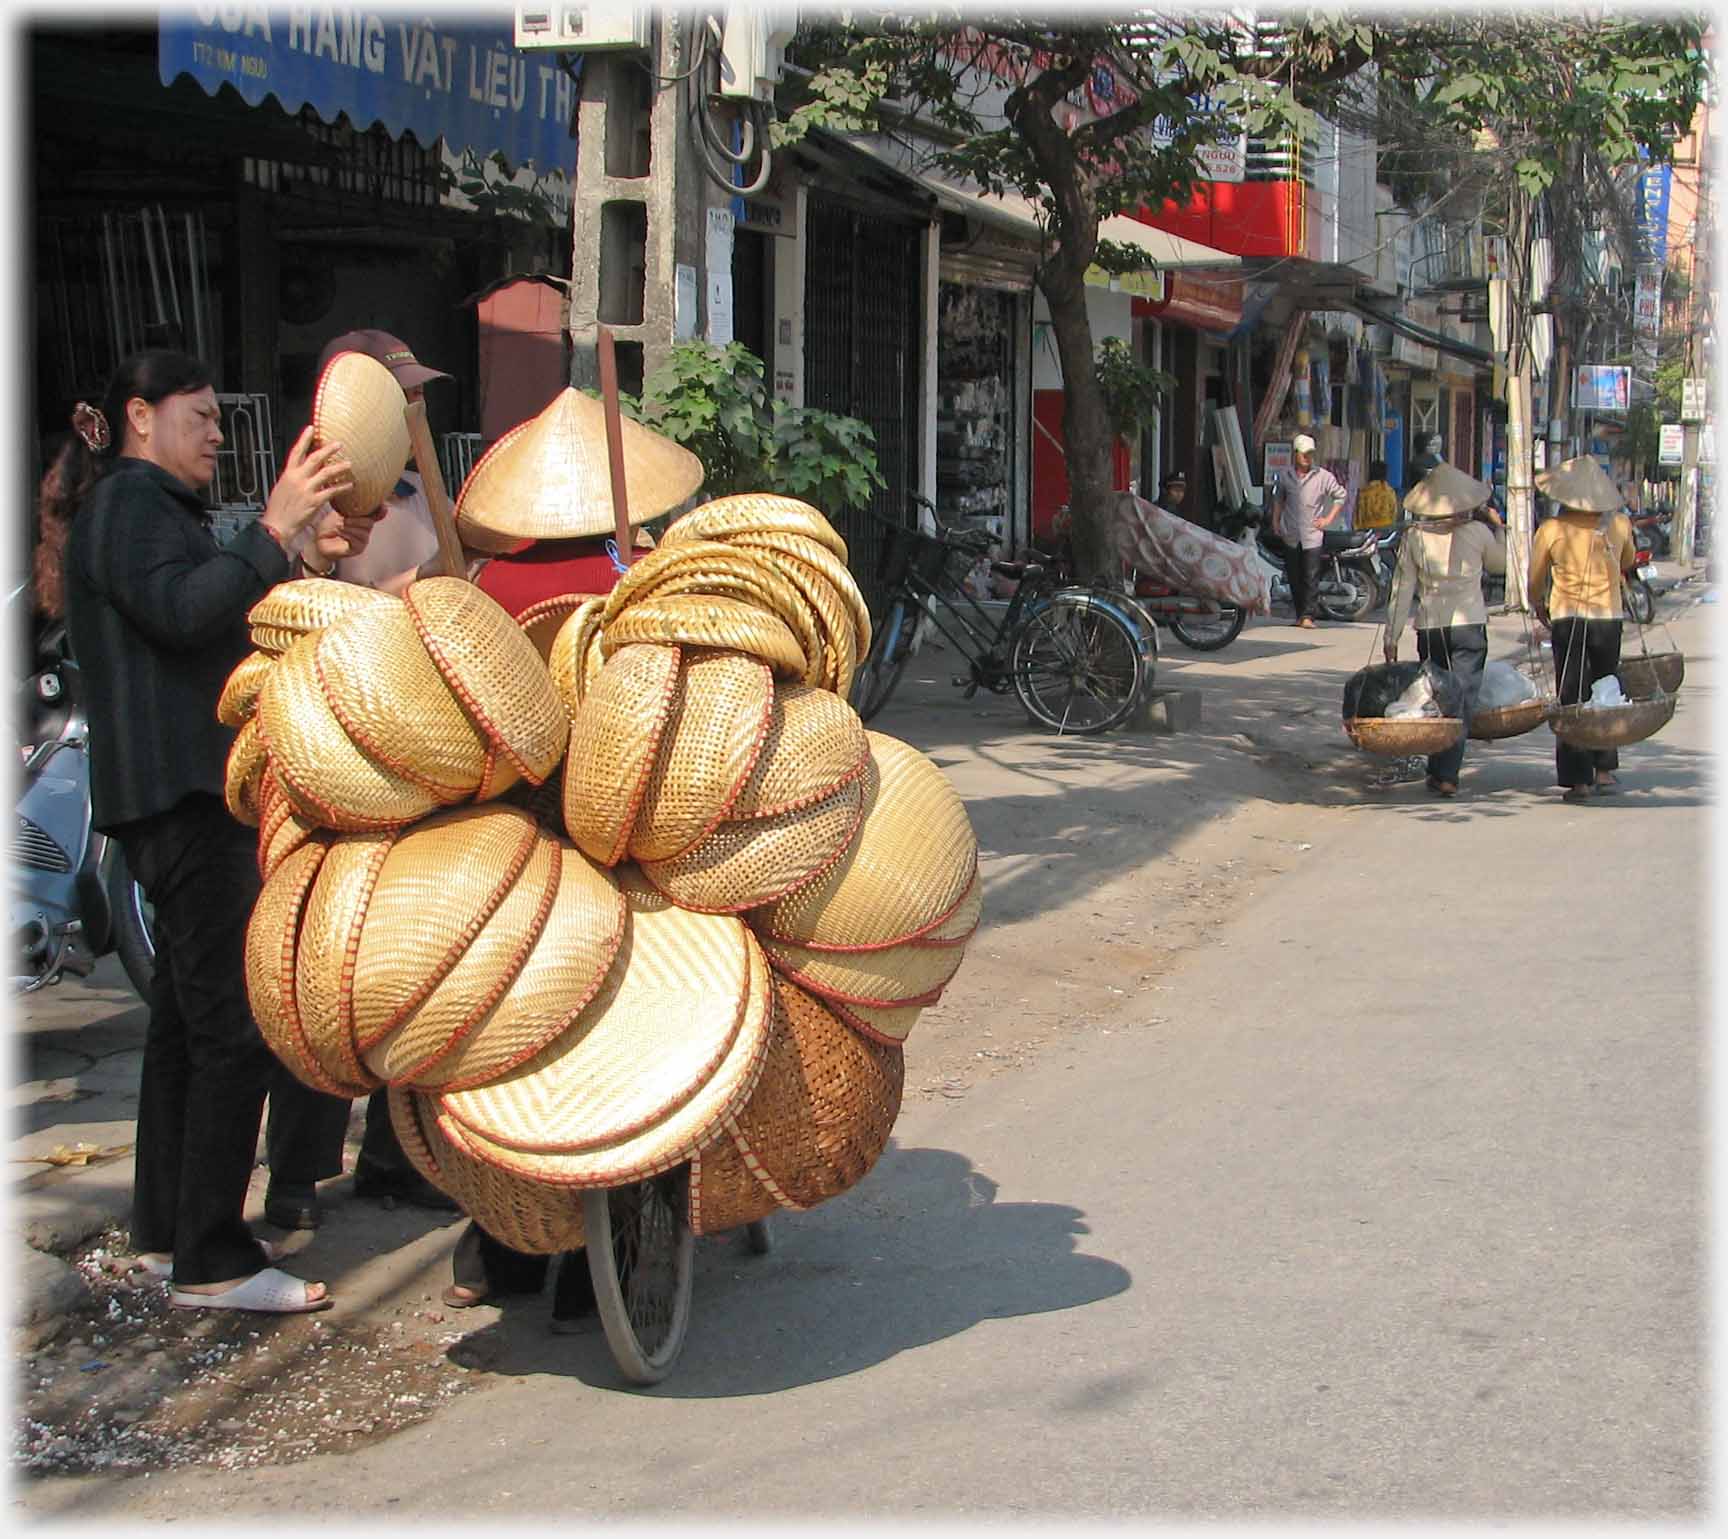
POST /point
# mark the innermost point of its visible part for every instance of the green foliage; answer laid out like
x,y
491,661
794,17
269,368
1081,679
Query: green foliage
x,y
712,400
1132,391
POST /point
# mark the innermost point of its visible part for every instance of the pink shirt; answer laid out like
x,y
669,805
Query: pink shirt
x,y
1301,500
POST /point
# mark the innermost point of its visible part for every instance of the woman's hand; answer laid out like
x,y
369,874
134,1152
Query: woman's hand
x,y
308,481
336,537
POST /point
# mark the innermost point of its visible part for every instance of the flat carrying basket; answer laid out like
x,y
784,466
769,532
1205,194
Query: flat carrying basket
x,y
1611,726
1509,720
1655,673
1404,736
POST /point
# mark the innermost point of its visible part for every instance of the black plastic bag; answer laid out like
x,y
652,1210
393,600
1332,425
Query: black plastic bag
x,y
1370,690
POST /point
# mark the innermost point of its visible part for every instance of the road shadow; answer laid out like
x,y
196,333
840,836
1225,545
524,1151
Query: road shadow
x,y
920,1251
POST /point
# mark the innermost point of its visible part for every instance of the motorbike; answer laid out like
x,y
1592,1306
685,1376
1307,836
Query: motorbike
x,y
73,898
1201,624
1651,532
1640,596
1350,585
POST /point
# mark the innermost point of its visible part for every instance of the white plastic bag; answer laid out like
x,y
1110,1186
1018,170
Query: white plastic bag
x,y
1503,685
1417,700
1605,692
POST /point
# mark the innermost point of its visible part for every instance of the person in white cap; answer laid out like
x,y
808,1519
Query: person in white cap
x,y
1578,562
1457,537
1307,500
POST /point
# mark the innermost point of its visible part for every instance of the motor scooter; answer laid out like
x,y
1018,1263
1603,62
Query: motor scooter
x,y
1349,581
73,898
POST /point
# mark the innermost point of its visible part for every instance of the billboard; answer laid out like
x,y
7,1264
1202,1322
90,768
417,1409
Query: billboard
x,y
1602,387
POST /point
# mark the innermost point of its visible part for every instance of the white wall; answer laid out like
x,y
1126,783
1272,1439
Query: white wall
x,y
1112,315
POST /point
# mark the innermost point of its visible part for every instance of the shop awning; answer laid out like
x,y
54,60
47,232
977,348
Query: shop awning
x,y
435,78
1172,253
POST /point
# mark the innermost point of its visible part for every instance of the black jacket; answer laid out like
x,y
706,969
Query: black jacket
x,y
156,612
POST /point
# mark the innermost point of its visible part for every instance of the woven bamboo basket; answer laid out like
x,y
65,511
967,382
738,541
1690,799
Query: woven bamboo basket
x,y
1611,726
615,738
359,404
1404,736
1508,720
239,697
1657,673
702,620
815,745
755,512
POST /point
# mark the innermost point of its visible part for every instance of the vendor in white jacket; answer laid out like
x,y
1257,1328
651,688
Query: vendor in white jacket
x,y
1457,537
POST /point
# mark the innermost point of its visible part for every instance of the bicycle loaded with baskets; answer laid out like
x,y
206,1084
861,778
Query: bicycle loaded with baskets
x,y
1076,656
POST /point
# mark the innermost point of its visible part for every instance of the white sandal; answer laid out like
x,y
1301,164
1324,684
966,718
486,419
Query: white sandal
x,y
270,1292
163,1271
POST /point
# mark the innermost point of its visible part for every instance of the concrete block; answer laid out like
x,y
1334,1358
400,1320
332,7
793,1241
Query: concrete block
x,y
1166,710
49,1289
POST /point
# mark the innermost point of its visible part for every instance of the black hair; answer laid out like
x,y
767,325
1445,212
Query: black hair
x,y
152,376
1377,470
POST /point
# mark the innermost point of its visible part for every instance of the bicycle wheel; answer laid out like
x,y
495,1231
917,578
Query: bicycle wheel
x,y
1210,633
1076,664
876,677
1640,601
639,1254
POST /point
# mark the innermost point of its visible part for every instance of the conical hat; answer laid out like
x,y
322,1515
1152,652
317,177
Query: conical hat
x,y
549,478
359,405
1583,484
1446,492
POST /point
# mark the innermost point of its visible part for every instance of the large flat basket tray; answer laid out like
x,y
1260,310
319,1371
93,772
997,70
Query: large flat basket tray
x,y
1406,735
1508,720
1611,726
1653,674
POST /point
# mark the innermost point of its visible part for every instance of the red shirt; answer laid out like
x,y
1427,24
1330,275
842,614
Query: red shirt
x,y
548,569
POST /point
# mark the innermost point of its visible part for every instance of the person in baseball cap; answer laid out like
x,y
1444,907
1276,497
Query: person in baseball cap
x,y
392,352
1304,503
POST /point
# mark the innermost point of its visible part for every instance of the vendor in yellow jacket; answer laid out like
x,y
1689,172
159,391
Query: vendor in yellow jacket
x,y
1578,562
1457,537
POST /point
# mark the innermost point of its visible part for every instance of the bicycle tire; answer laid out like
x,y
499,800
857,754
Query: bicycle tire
x,y
1366,594
1640,601
878,676
1220,629
640,1255
1076,665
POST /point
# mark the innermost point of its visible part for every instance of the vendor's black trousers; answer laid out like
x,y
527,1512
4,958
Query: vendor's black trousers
x,y
1584,651
1463,650
206,1068
1302,566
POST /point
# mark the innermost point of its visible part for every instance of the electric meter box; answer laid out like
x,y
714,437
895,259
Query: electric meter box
x,y
573,28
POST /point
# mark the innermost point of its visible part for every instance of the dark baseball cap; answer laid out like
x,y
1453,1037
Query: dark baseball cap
x,y
392,352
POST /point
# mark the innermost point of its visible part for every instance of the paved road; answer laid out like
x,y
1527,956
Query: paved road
x,y
1388,1204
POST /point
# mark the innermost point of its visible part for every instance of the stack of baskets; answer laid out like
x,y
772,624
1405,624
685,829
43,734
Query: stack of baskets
x,y
621,886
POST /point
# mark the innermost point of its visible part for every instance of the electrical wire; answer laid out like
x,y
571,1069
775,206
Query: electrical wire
x,y
719,160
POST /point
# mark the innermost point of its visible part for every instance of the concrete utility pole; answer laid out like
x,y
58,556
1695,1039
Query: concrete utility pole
x,y
1520,459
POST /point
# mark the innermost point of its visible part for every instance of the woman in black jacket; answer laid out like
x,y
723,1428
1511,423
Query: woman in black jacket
x,y
156,612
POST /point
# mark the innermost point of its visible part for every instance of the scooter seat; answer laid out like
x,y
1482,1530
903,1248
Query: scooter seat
x,y
1332,541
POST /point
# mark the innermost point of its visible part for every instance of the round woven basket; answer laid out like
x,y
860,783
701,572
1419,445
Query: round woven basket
x,y
325,774
820,560
280,832
308,604
755,512
1611,726
815,744
442,883
394,704
239,698
331,922
359,405
1508,720
1410,735
913,860
574,659
701,620
887,1024
817,1121
615,736
494,670
1658,673
911,973
528,1216
746,862
710,745
248,758
602,1078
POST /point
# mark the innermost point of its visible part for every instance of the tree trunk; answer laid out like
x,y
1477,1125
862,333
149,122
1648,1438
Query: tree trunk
x,y
1085,431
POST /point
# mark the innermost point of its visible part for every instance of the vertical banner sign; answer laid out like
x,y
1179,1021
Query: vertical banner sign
x,y
1672,444
442,77
1647,302
1692,400
1654,183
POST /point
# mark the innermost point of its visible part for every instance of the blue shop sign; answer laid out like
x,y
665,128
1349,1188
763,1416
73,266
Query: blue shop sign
x,y
464,81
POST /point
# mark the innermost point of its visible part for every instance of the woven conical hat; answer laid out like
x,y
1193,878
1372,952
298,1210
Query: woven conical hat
x,y
1583,484
913,860
441,884
815,745
747,862
906,974
888,1024
331,925
394,704
550,478
310,603
671,1044
701,620
324,774
755,513
248,756
570,960
359,405
1446,492
528,1216
615,735
493,669
239,696
712,738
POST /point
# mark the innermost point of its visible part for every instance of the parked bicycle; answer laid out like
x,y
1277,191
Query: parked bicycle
x,y
1077,657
